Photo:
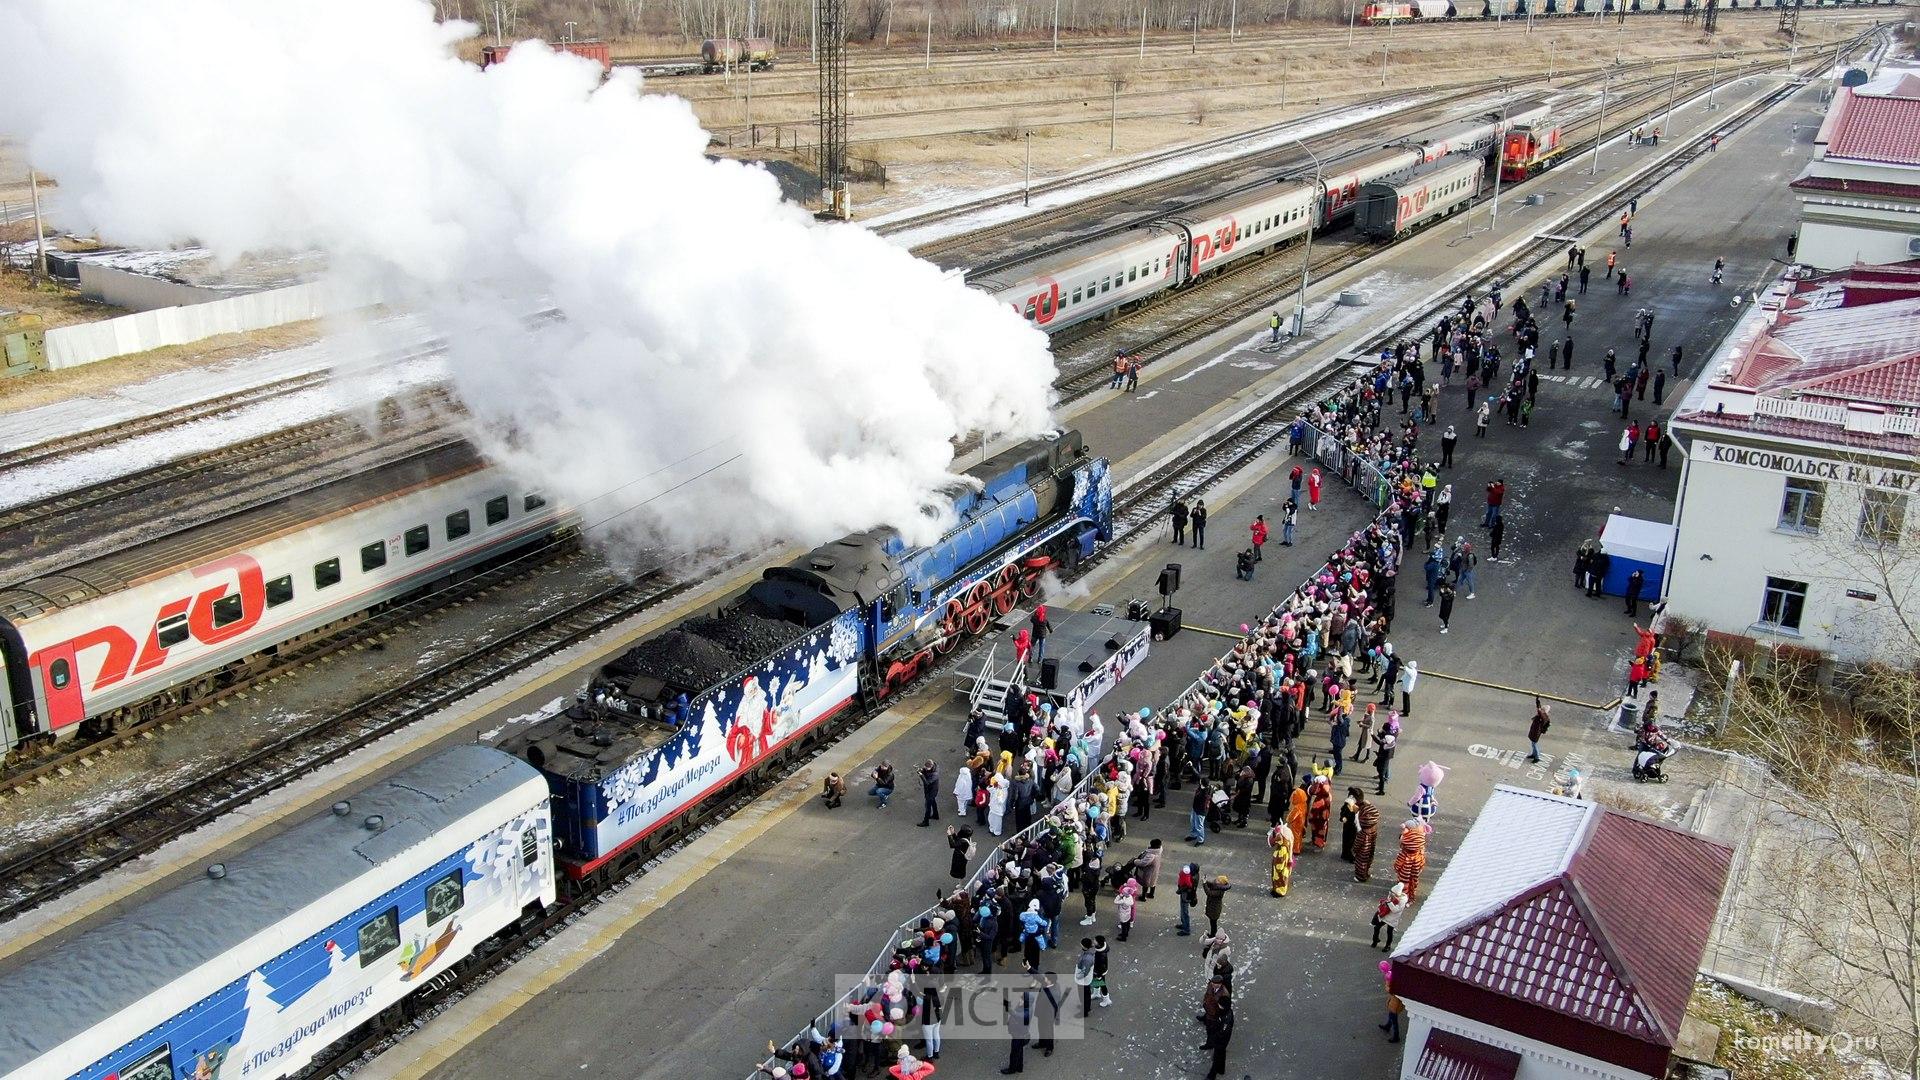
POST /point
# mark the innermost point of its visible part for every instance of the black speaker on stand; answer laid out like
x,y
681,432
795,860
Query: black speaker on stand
x,y
1166,621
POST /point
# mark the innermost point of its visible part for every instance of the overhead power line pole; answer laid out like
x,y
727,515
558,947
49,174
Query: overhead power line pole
x,y
833,101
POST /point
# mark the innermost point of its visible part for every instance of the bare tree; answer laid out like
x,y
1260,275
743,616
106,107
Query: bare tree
x,y
1841,782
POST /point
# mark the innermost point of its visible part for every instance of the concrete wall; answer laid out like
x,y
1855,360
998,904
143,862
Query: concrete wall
x,y
85,343
138,292
1730,541
1835,237
1538,1060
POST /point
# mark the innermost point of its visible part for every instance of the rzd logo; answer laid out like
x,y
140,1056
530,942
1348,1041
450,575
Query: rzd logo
x,y
1042,306
1218,242
235,574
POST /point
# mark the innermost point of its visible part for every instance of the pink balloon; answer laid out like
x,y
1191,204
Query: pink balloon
x,y
1386,967
886,1029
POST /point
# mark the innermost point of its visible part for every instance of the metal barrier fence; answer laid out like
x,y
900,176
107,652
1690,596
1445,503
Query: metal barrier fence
x,y
1366,473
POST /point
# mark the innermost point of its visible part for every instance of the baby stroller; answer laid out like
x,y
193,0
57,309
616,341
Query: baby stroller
x,y
1650,754
1116,876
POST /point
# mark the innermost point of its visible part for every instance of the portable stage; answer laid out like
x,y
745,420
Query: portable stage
x,y
1088,653
1636,544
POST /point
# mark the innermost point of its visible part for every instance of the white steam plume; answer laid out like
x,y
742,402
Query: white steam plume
x,y
707,323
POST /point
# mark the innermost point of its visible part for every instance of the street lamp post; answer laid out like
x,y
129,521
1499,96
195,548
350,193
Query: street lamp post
x,y
1056,25
1386,51
1026,193
1350,6
1600,132
1306,261
1499,161
1673,88
1711,79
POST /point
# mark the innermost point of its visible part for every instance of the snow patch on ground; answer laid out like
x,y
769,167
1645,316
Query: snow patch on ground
x,y
541,713
345,394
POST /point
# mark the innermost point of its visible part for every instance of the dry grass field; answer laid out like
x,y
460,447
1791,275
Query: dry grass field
x,y
959,124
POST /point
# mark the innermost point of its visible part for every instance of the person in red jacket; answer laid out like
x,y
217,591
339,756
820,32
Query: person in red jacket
x,y
1259,529
1313,489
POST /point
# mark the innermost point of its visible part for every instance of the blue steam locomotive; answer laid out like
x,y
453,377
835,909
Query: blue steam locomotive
x,y
717,700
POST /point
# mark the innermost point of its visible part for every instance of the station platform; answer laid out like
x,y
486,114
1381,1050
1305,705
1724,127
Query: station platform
x,y
736,938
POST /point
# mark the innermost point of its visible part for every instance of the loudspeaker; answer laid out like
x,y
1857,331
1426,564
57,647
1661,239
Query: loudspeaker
x,y
1137,610
1170,579
1165,623
1049,673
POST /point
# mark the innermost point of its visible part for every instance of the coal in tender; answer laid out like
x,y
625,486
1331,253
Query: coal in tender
x,y
749,638
687,662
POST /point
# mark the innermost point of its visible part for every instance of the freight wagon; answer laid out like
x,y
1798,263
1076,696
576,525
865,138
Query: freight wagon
x,y
756,54
597,51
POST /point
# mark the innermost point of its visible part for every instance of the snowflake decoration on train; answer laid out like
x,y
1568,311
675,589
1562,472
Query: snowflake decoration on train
x,y
844,644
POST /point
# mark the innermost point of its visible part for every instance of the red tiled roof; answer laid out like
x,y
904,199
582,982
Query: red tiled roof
x,y
1852,351
1877,188
1894,381
1809,431
1872,128
1598,959
1446,1056
1656,923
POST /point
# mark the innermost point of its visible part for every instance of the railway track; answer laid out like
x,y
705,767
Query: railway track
x,y
1138,505
60,531
911,59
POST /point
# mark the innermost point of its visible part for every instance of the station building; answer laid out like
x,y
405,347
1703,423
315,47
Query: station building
x,y
1801,456
1860,195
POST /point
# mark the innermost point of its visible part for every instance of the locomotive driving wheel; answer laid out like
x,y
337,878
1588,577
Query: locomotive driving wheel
x,y
977,599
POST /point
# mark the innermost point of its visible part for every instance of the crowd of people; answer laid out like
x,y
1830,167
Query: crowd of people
x,y
1233,742
1238,739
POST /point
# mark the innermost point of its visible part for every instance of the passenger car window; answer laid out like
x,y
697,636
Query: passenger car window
x,y
373,556
228,609
326,573
279,590
459,524
379,936
496,510
171,631
445,896
61,672
157,1065
417,540
533,501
